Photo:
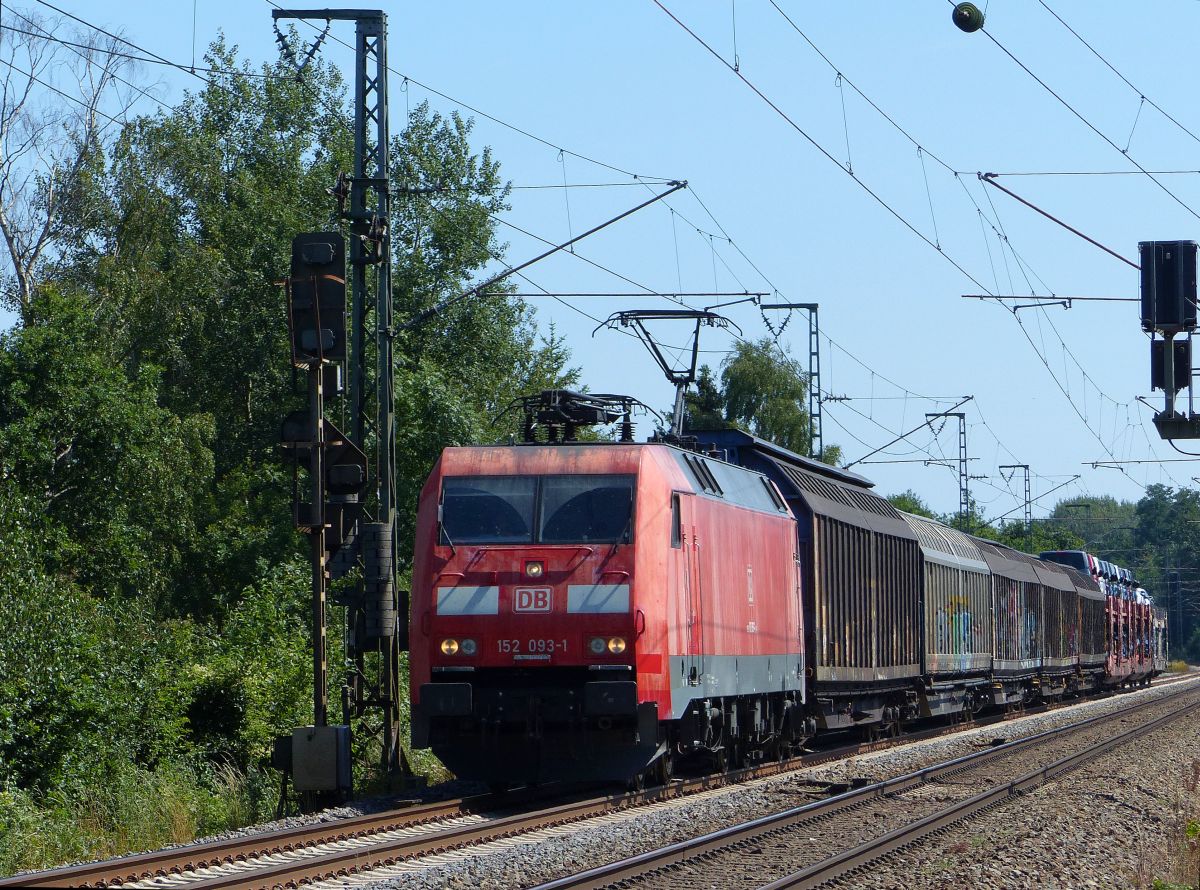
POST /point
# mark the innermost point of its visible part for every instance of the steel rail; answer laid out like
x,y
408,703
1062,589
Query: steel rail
x,y
864,854
179,860
674,854
191,857
174,860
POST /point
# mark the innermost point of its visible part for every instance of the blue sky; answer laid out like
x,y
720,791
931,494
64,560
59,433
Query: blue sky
x,y
623,84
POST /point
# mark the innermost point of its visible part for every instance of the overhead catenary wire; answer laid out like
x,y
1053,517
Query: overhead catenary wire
x,y
156,58
1022,266
1144,98
162,60
79,48
61,93
640,179
498,121
1093,173
1079,115
916,144
1005,242
145,59
198,73
825,152
922,150
831,342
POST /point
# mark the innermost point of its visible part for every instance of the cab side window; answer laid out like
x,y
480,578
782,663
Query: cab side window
x,y
676,527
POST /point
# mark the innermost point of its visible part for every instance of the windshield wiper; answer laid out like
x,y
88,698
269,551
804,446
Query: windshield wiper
x,y
623,538
443,533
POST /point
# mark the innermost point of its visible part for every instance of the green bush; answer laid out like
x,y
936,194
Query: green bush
x,y
129,808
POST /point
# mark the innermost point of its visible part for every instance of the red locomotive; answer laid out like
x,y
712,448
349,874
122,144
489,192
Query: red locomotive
x,y
594,610
586,610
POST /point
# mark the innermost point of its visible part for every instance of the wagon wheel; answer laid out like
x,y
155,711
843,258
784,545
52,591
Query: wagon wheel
x,y
721,760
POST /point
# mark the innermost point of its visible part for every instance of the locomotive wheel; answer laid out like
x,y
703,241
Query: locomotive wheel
x,y
663,769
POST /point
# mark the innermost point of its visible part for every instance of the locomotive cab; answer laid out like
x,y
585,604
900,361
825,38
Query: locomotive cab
x,y
525,630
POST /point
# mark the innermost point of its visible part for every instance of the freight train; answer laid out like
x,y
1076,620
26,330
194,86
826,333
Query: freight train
x,y
600,610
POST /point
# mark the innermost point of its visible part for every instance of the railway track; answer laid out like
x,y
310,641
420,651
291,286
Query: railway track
x,y
316,851
811,845
297,855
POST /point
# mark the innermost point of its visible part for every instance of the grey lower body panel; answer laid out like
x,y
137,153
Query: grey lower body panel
x,y
722,676
1016,666
883,673
962,663
966,694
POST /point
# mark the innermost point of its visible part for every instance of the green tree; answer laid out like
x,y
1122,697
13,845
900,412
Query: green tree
x,y
761,392
1046,536
1103,523
911,502
704,408
118,480
765,394
143,504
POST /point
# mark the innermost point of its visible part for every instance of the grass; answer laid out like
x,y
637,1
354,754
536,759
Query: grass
x,y
1181,868
131,809
1177,666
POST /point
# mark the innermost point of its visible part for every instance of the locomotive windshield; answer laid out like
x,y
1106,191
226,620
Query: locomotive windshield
x,y
586,509
566,509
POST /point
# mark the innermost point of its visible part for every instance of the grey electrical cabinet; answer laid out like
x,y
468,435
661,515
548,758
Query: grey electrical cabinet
x,y
321,758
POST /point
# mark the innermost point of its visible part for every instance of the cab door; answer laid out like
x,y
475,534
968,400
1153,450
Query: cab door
x,y
686,551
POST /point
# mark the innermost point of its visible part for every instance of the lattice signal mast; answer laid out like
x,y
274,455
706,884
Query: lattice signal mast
x,y
351,520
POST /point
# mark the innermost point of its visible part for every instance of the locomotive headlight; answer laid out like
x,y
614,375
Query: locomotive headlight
x,y
449,647
597,645
616,645
535,568
468,647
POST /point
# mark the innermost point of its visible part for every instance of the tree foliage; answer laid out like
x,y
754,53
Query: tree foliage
x,y
153,593
909,501
762,392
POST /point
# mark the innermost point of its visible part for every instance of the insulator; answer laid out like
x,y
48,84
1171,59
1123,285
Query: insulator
x,y
968,17
379,592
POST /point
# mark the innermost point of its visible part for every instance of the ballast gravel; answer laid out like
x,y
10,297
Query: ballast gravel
x,y
1104,825
1083,854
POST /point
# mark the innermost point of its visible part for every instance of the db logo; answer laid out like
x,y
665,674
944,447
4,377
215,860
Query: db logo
x,y
531,599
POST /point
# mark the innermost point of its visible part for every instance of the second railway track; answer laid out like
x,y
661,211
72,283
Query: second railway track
x,y
810,845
